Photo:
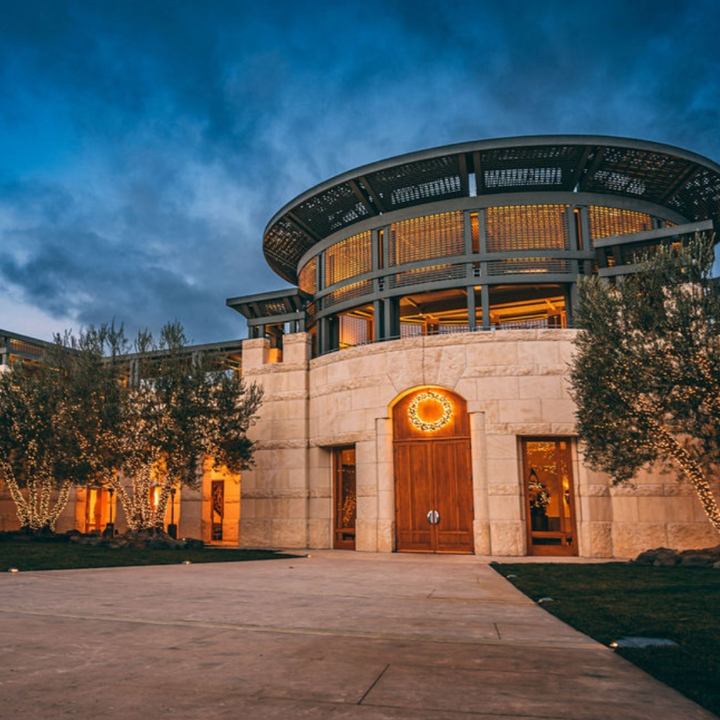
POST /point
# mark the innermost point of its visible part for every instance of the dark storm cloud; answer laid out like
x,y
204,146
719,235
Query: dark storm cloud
x,y
613,67
144,145
70,272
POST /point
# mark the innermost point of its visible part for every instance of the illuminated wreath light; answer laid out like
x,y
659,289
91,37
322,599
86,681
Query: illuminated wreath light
x,y
421,424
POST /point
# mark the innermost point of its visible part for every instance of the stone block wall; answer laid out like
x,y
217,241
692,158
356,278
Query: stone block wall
x,y
515,383
276,491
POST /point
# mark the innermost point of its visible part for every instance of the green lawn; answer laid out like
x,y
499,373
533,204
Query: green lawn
x,y
609,601
35,555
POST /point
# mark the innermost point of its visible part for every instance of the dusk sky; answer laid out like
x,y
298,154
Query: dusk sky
x,y
145,144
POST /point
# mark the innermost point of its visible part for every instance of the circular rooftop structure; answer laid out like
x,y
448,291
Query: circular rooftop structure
x,y
487,235
680,181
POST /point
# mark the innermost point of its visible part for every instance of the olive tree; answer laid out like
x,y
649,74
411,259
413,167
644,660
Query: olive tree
x,y
646,370
55,415
179,406
96,409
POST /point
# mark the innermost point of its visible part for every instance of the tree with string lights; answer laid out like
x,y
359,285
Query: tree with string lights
x,y
179,407
98,410
55,416
645,375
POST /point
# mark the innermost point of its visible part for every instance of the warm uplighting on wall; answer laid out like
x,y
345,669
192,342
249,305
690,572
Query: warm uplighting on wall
x,y
430,411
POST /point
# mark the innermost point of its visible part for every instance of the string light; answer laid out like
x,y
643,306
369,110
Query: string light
x,y
650,412
424,425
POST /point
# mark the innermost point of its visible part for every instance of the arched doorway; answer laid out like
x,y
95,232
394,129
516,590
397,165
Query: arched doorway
x,y
433,479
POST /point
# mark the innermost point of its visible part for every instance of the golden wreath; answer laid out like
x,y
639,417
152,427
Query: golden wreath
x,y
421,424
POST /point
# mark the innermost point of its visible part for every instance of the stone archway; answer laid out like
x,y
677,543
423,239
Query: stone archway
x,y
433,477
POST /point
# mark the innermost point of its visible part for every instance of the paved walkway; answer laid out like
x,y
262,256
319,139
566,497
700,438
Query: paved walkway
x,y
335,635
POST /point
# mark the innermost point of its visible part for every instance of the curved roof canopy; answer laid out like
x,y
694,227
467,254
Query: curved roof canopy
x,y
677,179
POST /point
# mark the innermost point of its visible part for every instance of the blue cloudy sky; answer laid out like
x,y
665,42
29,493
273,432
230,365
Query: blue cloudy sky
x,y
145,144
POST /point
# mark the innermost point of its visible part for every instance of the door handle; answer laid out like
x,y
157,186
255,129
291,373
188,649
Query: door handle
x,y
433,517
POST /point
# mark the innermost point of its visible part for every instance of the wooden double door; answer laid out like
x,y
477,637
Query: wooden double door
x,y
433,478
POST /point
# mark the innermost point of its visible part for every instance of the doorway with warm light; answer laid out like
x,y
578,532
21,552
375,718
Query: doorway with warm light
x,y
345,495
549,496
433,479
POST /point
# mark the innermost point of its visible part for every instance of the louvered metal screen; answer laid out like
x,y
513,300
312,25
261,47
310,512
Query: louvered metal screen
x,y
436,273
411,183
605,222
527,227
700,198
348,258
529,168
532,324
521,266
348,292
426,237
275,307
308,277
354,331
452,329
331,210
637,252
284,245
628,171
408,330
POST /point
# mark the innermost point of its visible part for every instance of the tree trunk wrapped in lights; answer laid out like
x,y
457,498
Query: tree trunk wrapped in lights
x,y
177,408
92,412
47,421
646,372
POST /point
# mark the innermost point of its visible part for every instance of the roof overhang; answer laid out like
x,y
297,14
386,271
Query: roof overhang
x,y
271,307
681,181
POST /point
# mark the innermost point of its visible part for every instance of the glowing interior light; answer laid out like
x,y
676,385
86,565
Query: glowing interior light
x,y
430,397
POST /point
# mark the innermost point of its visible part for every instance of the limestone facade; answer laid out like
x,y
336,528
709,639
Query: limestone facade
x,y
454,269
515,384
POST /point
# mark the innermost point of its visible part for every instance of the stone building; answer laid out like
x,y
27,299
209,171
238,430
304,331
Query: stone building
x,y
416,374
416,380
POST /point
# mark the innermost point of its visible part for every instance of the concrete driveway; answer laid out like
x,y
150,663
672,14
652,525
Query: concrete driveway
x,y
334,635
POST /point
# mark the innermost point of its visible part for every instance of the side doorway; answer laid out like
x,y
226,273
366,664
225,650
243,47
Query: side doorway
x,y
345,498
549,496
217,510
220,506
98,509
